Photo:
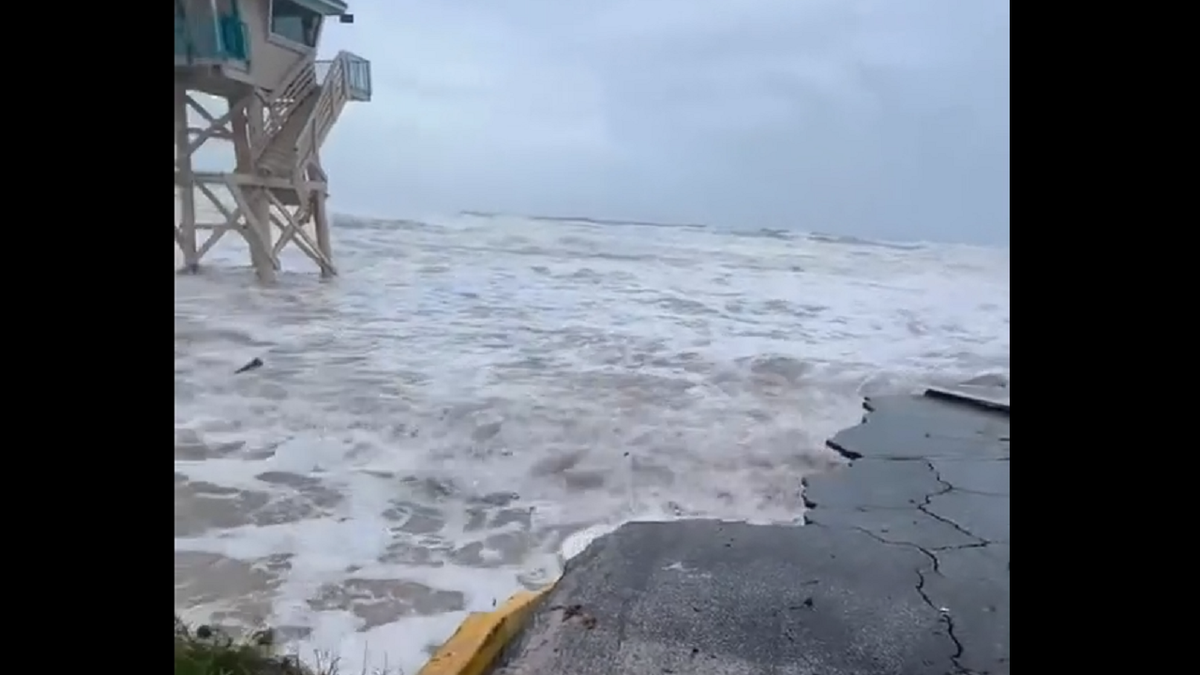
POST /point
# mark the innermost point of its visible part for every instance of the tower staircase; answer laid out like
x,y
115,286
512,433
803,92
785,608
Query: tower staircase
x,y
298,116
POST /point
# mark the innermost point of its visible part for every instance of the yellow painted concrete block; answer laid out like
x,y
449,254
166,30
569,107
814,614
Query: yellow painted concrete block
x,y
473,648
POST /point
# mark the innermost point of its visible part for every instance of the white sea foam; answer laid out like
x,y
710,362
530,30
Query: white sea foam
x,y
429,426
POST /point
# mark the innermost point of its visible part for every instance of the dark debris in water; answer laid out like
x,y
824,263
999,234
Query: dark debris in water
x,y
254,364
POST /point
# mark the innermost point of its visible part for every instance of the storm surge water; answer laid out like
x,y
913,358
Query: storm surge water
x,y
429,426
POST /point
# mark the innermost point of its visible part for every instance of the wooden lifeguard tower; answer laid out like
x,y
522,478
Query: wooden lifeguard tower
x,y
260,56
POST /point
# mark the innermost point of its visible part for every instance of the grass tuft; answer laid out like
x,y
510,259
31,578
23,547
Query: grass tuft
x,y
209,651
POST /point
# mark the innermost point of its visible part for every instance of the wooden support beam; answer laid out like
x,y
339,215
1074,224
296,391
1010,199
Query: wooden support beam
x,y
232,220
295,228
247,180
257,234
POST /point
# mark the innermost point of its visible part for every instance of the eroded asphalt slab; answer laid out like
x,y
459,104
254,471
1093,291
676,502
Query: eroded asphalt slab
x,y
932,474
902,568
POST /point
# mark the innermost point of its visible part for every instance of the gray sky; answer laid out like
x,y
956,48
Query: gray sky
x,y
876,118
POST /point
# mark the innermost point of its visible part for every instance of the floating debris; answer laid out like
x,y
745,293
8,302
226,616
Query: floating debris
x,y
255,363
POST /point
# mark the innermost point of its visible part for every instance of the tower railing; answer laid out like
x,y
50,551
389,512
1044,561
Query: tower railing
x,y
357,72
346,78
298,84
358,77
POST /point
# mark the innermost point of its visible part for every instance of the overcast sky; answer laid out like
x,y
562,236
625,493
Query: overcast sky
x,y
876,118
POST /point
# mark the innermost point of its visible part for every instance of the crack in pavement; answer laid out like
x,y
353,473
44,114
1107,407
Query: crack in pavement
x,y
923,507
861,446
943,613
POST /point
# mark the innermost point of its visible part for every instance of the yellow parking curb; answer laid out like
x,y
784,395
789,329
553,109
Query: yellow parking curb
x,y
473,648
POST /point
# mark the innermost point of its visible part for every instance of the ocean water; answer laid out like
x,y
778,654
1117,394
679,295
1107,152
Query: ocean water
x,y
429,426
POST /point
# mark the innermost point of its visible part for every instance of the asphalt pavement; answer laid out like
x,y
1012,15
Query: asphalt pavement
x,y
901,568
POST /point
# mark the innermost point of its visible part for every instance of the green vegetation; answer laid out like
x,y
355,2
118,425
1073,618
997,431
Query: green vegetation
x,y
209,651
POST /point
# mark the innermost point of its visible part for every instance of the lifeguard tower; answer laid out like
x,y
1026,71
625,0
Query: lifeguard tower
x,y
260,57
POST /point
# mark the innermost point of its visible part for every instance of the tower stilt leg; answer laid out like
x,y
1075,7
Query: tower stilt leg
x,y
264,266
258,221
186,228
321,220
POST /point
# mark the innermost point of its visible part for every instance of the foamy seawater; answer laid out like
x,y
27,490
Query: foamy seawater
x,y
428,427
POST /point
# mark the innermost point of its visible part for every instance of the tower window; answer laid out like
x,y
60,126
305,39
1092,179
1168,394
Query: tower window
x,y
295,23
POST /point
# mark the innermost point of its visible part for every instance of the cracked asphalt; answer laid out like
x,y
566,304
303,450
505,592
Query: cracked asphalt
x,y
902,567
